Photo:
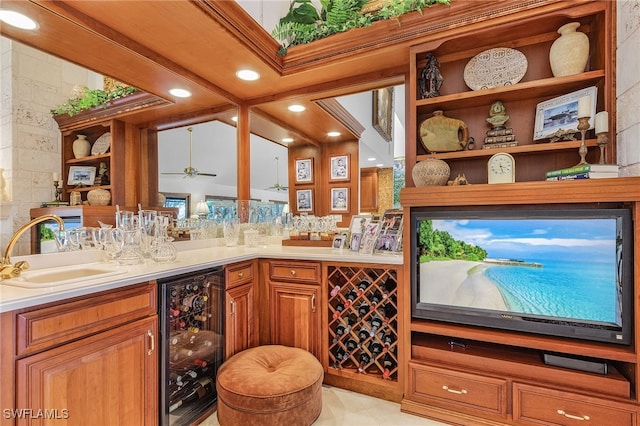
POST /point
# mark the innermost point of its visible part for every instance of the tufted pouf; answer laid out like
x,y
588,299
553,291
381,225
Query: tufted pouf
x,y
270,385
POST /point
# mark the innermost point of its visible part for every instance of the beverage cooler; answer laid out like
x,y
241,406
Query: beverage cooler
x,y
192,344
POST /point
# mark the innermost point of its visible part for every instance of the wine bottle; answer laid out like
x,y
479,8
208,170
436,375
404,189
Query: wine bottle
x,y
339,354
351,345
389,311
389,286
365,359
389,364
351,320
339,308
339,333
363,309
376,323
362,287
388,340
334,291
351,296
375,348
203,387
375,298
363,335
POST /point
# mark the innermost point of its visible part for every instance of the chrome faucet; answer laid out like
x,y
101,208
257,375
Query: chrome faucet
x,y
7,269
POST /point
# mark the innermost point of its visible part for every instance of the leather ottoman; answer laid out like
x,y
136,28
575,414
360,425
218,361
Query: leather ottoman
x,y
270,385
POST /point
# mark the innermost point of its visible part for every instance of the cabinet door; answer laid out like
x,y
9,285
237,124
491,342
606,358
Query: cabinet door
x,y
108,378
239,319
295,317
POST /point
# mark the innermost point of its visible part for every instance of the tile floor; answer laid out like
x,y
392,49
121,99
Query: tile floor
x,y
343,407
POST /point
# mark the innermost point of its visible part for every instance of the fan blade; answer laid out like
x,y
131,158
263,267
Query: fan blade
x,y
207,174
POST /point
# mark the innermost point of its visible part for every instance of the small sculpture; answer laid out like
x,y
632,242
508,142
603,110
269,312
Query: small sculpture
x,y
497,115
430,78
459,180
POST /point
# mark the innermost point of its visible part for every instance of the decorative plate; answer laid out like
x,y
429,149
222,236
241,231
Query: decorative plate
x,y
497,67
102,144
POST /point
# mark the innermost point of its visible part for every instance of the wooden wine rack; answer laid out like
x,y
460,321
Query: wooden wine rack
x,y
381,297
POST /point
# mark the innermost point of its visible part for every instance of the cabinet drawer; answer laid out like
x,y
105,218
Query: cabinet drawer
x,y
457,390
53,325
239,274
303,272
533,405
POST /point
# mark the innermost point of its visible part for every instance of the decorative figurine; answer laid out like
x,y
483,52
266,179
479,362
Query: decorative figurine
x,y
103,175
499,136
430,78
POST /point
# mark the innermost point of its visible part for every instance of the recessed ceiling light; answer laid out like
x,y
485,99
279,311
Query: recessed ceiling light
x,y
371,159
247,75
296,108
379,165
17,20
287,140
234,118
180,93
333,134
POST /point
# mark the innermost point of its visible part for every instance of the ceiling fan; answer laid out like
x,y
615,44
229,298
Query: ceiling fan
x,y
278,186
190,171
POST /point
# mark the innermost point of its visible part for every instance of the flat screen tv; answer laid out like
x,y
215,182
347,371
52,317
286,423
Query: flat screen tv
x,y
561,272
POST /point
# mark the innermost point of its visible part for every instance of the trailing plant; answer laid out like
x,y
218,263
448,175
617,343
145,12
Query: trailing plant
x,y
303,24
90,98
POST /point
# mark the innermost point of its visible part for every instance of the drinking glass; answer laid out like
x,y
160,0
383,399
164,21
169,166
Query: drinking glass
x,y
231,231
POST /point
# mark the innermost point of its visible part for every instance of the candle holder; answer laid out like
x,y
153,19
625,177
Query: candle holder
x,y
583,126
601,140
58,190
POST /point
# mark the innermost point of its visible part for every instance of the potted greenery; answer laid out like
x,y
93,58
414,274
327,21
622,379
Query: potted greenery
x,y
304,24
86,98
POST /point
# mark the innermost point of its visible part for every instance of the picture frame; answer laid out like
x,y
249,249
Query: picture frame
x,y
81,175
383,112
389,239
304,200
561,113
339,168
356,229
338,241
339,199
304,170
369,237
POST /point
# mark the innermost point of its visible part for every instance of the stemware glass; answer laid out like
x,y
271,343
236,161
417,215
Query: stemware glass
x,y
231,231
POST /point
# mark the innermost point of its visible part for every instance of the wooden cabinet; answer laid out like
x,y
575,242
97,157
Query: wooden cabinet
x,y
369,189
499,376
363,332
531,32
91,359
294,304
240,324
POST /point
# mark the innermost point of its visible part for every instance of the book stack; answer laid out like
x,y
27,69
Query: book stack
x,y
584,171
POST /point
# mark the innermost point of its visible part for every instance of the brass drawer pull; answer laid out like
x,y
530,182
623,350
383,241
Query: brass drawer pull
x,y
233,307
153,342
456,391
293,272
240,274
571,416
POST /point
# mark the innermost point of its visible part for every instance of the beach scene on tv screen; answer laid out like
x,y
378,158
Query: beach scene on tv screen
x,y
563,268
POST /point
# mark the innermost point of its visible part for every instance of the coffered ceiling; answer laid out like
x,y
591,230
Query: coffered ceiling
x,y
198,45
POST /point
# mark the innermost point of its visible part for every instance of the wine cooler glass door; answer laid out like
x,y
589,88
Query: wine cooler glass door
x,y
193,344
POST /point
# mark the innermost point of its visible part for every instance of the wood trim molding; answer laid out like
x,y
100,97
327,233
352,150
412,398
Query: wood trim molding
x,y
340,113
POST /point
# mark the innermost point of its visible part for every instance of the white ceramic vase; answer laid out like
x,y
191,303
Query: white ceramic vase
x,y
570,52
81,147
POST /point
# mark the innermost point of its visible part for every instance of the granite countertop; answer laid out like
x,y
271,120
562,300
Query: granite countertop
x,y
192,256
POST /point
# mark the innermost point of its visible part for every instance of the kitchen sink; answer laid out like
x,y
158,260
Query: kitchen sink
x,y
62,275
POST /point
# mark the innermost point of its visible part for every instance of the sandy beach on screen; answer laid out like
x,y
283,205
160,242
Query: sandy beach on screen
x,y
459,282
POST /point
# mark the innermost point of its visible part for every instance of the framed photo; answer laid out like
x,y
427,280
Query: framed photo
x,y
369,237
383,112
356,228
81,175
390,235
304,170
339,199
304,200
339,241
561,113
389,243
340,168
